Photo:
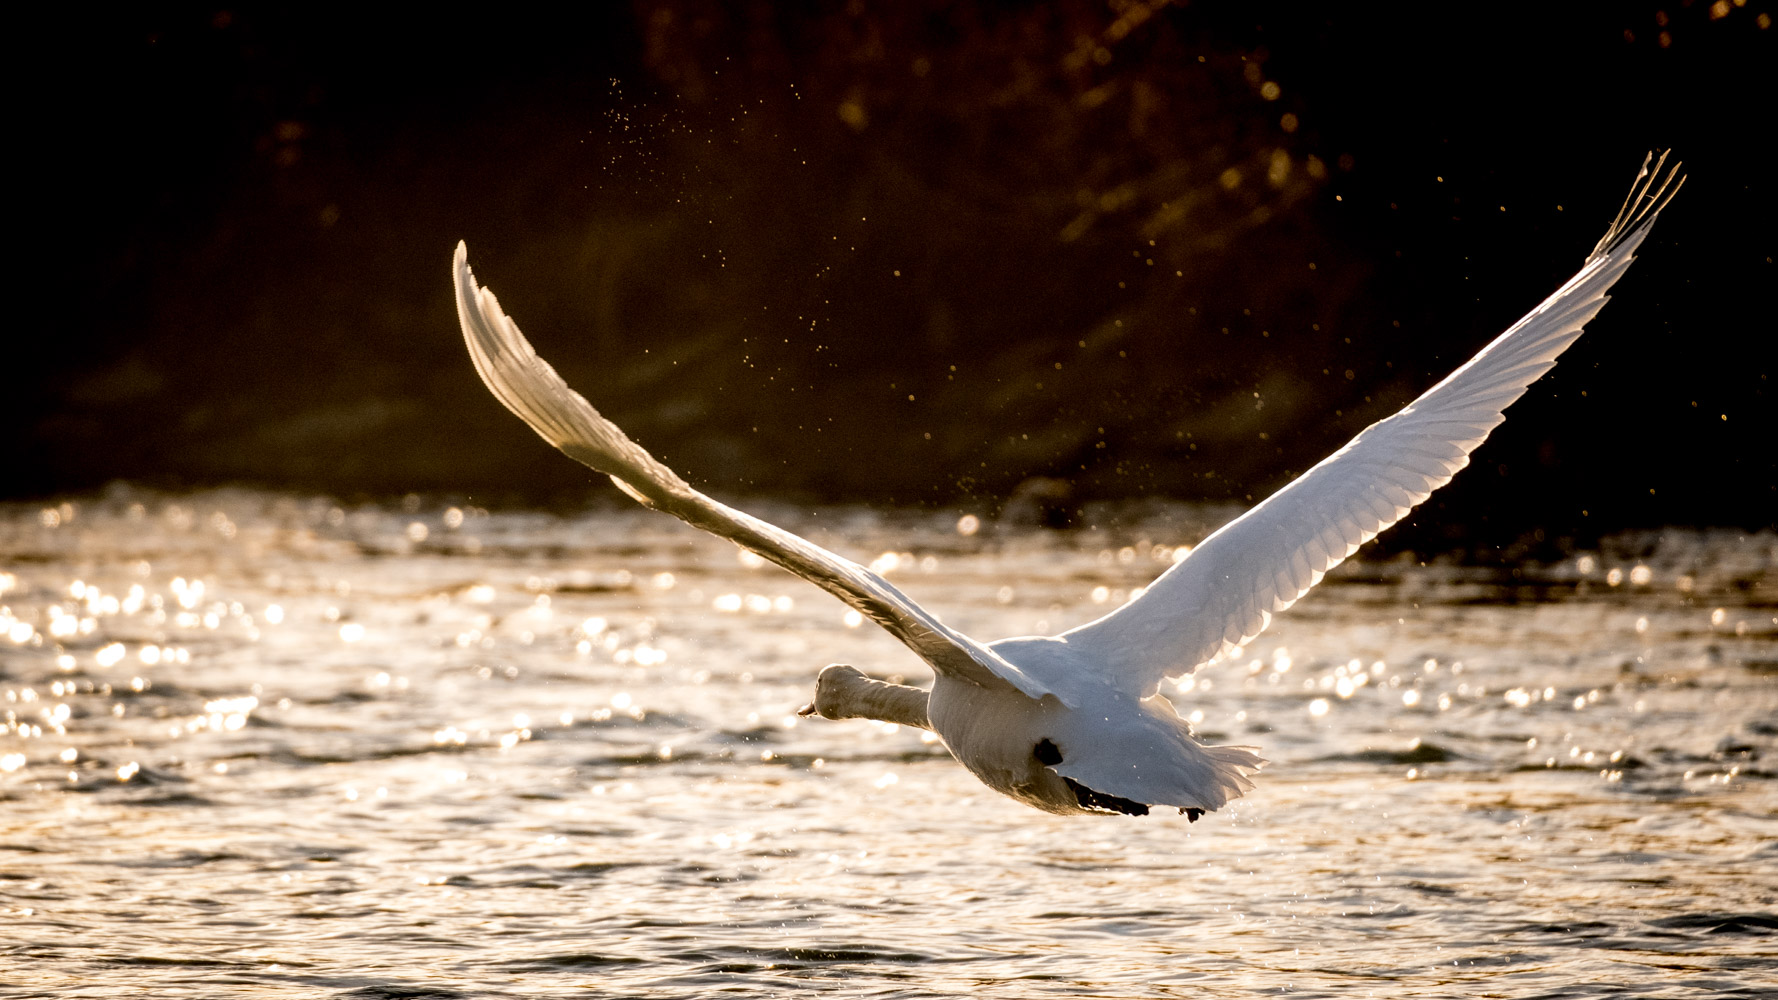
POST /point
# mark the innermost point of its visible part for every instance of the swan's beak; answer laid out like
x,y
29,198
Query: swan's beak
x,y
806,710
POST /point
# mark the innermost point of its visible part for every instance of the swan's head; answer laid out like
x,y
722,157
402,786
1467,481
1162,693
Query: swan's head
x,y
837,692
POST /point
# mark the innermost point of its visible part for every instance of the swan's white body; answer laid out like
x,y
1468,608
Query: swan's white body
x,y
1075,722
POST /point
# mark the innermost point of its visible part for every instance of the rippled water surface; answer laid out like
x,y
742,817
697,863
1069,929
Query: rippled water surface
x,y
263,745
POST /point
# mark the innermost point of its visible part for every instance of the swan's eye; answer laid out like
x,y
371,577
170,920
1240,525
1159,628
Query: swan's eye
x,y
1046,753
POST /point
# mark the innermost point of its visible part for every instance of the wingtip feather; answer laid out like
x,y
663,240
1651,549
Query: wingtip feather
x,y
1649,193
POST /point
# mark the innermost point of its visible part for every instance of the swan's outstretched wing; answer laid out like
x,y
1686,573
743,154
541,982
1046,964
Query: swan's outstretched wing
x,y
1228,589
530,388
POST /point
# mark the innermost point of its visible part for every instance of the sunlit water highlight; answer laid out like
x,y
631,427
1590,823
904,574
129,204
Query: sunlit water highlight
x,y
260,745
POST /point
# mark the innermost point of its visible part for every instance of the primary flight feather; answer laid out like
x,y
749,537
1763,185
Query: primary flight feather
x,y
1075,722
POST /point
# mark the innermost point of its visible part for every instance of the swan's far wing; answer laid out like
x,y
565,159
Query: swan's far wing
x,y
530,388
1226,592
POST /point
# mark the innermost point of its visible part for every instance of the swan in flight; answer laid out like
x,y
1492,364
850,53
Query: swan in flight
x,y
1076,723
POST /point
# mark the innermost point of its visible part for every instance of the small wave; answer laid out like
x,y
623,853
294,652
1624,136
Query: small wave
x,y
1720,923
537,877
402,991
174,800
757,734
150,777
597,869
1577,928
622,720
739,959
579,960
1632,858
189,963
183,859
1418,753
1124,916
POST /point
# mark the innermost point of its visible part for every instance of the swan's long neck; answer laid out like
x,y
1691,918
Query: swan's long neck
x,y
845,693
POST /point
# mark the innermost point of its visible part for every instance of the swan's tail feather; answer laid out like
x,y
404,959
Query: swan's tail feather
x,y
1156,761
1230,767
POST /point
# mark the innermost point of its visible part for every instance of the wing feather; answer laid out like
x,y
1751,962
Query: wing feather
x,y
532,390
1226,591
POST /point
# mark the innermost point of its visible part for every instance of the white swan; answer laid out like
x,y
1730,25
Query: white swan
x,y
1075,722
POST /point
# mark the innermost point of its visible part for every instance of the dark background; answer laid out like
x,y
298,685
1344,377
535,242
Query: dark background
x,y
907,253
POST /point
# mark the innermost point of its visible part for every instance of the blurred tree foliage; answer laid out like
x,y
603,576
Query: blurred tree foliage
x,y
900,253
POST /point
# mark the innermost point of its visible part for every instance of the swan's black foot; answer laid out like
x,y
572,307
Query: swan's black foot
x,y
1191,815
1099,800
1049,756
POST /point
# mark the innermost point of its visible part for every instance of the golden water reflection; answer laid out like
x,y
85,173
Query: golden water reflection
x,y
581,733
